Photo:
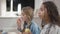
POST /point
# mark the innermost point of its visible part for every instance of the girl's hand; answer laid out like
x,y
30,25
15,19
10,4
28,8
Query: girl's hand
x,y
19,23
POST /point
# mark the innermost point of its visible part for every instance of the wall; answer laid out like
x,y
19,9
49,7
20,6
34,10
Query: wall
x,y
3,7
0,8
57,2
8,23
37,6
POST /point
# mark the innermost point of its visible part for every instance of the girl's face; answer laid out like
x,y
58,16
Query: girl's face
x,y
42,12
24,17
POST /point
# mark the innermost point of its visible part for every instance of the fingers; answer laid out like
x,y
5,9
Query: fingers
x,y
18,20
18,23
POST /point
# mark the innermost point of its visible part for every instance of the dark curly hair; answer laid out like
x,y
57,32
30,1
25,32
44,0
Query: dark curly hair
x,y
52,12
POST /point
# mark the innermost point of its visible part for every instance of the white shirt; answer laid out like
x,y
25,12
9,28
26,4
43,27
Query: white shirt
x,y
54,29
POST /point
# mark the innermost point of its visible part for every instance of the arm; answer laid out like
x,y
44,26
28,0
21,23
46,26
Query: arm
x,y
19,24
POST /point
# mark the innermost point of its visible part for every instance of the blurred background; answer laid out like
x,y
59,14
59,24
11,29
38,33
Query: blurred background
x,y
10,10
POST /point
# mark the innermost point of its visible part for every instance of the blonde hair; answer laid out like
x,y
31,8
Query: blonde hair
x,y
29,12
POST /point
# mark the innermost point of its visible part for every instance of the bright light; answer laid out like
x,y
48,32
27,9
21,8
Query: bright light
x,y
19,9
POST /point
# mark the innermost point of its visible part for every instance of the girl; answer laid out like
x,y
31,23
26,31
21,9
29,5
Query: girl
x,y
49,14
27,16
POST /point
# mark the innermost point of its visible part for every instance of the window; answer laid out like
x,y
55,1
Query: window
x,y
8,5
12,4
13,7
15,4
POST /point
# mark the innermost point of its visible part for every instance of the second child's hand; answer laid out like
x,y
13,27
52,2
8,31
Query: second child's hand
x,y
19,23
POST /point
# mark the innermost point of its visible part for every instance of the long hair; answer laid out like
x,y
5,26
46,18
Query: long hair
x,y
29,12
52,12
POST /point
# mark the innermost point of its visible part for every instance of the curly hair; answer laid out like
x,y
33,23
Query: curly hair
x,y
52,12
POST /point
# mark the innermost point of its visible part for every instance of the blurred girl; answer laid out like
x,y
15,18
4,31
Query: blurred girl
x,y
27,16
49,14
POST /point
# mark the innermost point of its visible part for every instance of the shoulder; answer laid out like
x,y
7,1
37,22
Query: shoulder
x,y
55,30
34,25
35,28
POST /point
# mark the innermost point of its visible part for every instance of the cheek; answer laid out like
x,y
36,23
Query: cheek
x,y
41,13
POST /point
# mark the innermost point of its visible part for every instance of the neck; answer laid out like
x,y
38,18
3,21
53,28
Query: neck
x,y
47,20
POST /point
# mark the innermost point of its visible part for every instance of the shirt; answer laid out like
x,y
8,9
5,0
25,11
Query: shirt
x,y
53,29
34,28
